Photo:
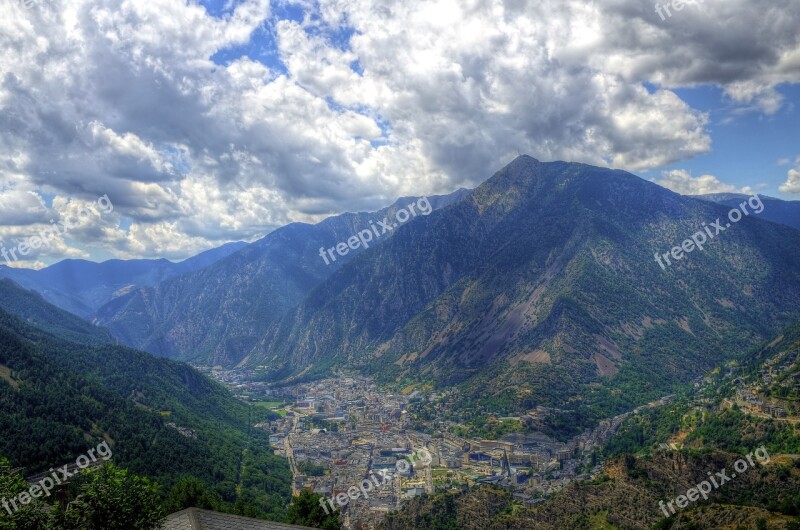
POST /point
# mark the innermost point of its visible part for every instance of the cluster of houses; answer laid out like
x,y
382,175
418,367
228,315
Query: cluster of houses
x,y
337,433
772,374
750,397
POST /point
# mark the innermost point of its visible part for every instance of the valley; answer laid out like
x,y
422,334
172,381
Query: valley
x,y
658,453
399,265
337,432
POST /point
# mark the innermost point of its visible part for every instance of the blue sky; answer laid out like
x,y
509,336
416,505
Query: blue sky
x,y
747,145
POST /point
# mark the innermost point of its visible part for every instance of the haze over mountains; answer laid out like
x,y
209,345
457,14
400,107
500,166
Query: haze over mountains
x,y
82,287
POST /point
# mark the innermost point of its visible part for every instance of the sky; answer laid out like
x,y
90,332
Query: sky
x,y
162,128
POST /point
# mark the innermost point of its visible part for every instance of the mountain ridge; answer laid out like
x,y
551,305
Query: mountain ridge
x,y
209,315
776,210
543,277
81,286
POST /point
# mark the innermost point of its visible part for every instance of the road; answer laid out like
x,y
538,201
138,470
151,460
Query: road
x,y
287,445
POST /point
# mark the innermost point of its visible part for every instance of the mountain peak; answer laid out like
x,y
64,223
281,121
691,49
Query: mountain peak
x,y
523,161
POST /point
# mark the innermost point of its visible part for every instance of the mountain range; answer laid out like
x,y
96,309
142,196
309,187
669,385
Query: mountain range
x,y
217,314
81,287
775,210
539,287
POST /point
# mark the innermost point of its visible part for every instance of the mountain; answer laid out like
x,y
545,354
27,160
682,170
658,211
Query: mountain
x,y
32,308
661,452
217,314
626,496
541,288
61,395
775,210
81,286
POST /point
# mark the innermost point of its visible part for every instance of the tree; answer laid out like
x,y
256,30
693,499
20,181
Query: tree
x,y
111,499
306,510
30,517
190,492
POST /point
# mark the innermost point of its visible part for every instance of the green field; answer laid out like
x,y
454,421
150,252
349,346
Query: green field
x,y
274,406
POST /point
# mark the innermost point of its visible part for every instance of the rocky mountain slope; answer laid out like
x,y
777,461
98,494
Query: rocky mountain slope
x,y
217,314
541,287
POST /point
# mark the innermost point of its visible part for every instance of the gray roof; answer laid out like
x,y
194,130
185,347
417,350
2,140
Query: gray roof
x,y
196,519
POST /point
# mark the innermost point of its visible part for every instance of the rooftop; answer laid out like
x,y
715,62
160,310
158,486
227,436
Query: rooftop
x,y
196,519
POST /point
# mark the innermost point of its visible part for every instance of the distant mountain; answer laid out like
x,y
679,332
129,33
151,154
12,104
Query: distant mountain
x,y
216,315
61,395
775,210
32,308
541,288
81,286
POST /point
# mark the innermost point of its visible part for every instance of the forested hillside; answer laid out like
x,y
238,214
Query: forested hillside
x,y
163,419
31,307
216,315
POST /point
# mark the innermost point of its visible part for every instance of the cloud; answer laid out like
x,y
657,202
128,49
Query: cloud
x,y
747,48
681,181
61,230
20,206
350,106
792,184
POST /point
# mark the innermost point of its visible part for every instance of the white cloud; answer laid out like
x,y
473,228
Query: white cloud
x,y
377,99
681,181
792,184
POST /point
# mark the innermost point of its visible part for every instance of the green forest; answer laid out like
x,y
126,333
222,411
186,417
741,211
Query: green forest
x,y
63,390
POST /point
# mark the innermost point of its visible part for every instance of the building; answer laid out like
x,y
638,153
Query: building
x,y
196,519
